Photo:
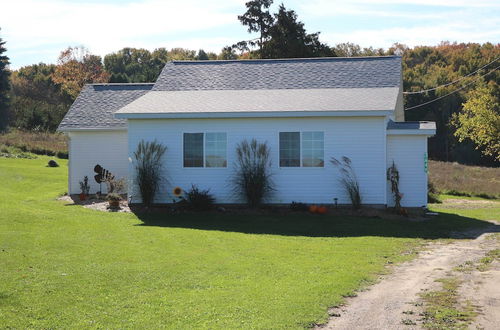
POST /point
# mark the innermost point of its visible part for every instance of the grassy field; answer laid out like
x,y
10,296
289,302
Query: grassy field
x,y
41,143
63,266
456,179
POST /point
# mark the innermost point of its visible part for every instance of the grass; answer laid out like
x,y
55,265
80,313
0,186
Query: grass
x,y
64,266
40,143
443,308
462,180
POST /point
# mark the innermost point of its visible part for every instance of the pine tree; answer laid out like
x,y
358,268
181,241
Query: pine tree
x,y
4,87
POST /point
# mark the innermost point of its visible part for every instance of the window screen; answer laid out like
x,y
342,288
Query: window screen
x,y
193,149
289,149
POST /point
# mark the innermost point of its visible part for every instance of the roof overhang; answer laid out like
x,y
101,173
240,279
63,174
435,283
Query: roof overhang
x,y
254,114
262,103
426,128
90,129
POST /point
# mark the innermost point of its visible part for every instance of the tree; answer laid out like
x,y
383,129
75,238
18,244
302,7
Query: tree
x,y
4,87
258,19
288,38
37,102
227,53
135,64
77,67
202,55
479,121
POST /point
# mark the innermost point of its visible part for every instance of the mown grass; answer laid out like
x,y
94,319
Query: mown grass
x,y
63,266
462,180
40,143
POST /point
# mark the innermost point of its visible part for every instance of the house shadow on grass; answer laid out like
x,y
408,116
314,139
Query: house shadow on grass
x,y
445,225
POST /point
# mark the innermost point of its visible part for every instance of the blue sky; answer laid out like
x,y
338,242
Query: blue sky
x,y
37,30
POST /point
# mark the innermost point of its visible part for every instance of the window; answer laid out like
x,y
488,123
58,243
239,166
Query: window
x,y
205,150
215,150
312,149
289,149
304,149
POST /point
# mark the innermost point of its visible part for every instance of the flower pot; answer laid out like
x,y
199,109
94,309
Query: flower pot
x,y
82,196
114,204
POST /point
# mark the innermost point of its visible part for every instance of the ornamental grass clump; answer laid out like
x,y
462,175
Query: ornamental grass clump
x,y
252,178
349,180
148,165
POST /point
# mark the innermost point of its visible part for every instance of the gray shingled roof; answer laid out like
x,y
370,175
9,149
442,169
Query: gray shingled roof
x,y
332,72
197,102
94,108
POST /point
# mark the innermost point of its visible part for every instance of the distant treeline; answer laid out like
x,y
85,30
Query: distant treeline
x,y
36,97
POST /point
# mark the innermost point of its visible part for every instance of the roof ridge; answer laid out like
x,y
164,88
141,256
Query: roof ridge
x,y
298,59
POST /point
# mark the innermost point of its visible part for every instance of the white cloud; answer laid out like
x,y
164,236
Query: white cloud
x,y
37,30
414,36
105,27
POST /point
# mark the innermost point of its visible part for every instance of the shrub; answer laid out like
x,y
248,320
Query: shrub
x,y
432,193
52,163
297,206
113,197
199,200
84,185
116,186
148,168
349,180
252,178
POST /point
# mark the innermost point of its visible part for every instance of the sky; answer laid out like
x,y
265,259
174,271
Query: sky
x,y
37,30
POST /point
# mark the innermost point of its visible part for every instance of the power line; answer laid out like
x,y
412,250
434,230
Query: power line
x,y
453,82
456,90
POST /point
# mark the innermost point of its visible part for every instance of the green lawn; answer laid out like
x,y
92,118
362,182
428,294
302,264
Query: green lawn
x,y
65,266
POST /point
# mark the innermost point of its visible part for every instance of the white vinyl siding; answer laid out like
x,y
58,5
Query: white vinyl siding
x,y
87,149
408,153
362,139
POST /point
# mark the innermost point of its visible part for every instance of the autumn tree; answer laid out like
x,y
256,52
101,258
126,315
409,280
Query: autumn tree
x,y
479,120
77,67
4,86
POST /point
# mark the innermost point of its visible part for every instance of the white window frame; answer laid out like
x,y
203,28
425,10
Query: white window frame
x,y
204,150
300,150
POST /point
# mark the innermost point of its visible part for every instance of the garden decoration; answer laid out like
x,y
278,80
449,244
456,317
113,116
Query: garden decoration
x,y
103,175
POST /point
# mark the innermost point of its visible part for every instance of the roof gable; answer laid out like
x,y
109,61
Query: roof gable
x,y
311,73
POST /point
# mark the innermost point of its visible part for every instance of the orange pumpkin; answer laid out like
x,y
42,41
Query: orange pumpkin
x,y
313,208
322,210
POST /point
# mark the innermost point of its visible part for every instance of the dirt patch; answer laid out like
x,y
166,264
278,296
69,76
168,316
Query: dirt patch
x,y
96,204
394,303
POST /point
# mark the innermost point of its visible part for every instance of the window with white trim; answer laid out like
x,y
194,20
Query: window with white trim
x,y
304,149
205,150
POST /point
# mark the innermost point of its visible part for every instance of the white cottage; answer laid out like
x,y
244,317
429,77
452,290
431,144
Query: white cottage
x,y
307,110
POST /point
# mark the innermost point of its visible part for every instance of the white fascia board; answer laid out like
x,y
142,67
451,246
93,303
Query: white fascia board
x,y
90,129
426,132
255,114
